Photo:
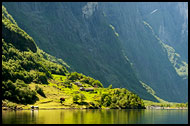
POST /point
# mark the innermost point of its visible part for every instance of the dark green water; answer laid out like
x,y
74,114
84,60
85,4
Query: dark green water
x,y
95,117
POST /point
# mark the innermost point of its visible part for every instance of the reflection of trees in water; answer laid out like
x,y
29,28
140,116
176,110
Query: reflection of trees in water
x,y
21,117
34,113
87,116
70,116
66,116
34,116
76,116
121,116
135,116
95,116
115,116
106,116
62,115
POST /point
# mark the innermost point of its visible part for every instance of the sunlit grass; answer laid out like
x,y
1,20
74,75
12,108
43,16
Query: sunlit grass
x,y
54,91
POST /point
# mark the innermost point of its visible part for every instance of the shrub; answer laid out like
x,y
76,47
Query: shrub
x,y
93,105
114,99
73,76
68,84
82,97
106,101
98,83
114,106
110,86
40,91
75,98
17,93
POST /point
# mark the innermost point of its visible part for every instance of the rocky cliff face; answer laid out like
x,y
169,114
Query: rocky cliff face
x,y
89,9
170,22
117,43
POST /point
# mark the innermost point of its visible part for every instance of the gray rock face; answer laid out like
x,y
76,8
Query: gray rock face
x,y
89,9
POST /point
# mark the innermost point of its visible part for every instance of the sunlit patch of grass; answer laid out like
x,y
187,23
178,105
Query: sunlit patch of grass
x,y
165,103
59,78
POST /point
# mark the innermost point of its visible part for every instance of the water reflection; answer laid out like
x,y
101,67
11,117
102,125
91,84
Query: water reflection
x,y
95,116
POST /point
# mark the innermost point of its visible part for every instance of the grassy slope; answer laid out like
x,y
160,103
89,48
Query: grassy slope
x,y
54,92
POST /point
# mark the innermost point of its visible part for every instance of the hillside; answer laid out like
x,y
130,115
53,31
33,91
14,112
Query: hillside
x,y
81,43
33,77
23,63
116,43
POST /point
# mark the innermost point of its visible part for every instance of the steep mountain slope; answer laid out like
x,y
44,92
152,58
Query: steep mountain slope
x,y
80,39
170,22
111,42
34,77
145,50
171,26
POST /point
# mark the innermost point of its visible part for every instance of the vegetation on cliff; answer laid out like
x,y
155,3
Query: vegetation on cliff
x,y
31,76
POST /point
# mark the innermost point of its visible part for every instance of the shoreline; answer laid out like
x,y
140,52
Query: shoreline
x,y
6,108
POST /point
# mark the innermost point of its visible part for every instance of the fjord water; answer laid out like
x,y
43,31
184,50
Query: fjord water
x,y
73,116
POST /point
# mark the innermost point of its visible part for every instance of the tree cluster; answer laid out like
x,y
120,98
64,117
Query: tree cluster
x,y
121,98
74,76
18,92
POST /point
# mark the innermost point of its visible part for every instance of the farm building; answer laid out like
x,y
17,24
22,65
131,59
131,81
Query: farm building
x,y
86,89
78,84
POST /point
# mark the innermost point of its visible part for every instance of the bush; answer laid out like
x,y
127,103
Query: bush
x,y
110,86
75,98
114,106
73,76
123,103
93,105
16,93
98,83
114,99
82,97
86,80
105,100
123,90
67,83
40,91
